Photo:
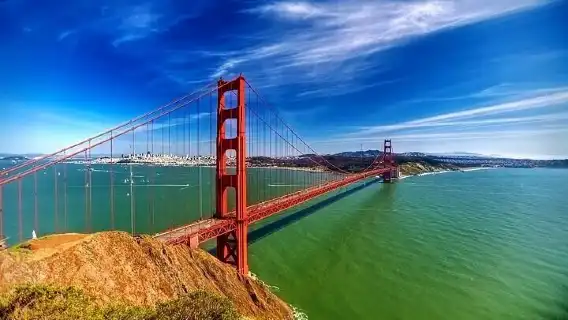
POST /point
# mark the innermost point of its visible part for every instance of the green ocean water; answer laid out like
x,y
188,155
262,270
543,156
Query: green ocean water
x,y
135,198
489,244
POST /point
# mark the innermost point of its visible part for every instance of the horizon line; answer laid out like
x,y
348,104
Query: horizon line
x,y
461,153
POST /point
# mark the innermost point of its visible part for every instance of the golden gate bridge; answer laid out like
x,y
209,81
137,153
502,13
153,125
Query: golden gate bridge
x,y
226,127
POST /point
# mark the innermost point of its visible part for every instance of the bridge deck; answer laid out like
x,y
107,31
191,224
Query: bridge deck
x,y
207,229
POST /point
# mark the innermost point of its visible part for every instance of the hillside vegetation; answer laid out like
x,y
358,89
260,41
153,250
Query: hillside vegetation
x,y
112,272
418,167
68,303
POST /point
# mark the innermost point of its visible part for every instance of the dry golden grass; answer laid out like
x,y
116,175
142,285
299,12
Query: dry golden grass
x,y
417,167
113,267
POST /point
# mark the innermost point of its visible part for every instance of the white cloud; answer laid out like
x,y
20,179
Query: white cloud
x,y
65,34
125,22
311,35
532,125
137,23
291,9
502,90
454,135
342,89
538,142
457,118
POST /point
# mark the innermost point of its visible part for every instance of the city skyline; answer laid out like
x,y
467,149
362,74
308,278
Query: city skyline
x,y
434,76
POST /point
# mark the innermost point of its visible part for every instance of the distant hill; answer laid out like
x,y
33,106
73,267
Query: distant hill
x,y
307,155
358,154
460,154
374,153
412,154
463,159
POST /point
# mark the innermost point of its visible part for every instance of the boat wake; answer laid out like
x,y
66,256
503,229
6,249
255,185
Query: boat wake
x,y
476,169
434,173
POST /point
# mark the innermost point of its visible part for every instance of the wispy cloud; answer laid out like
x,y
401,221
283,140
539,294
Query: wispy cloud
x,y
467,135
138,22
65,34
502,90
539,141
123,22
322,36
464,117
533,123
342,89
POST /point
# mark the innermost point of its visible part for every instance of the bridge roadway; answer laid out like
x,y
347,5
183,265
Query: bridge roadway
x,y
207,229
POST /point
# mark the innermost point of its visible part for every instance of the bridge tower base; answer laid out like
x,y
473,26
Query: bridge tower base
x,y
232,247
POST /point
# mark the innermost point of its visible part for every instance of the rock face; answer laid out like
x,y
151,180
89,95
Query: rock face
x,y
114,266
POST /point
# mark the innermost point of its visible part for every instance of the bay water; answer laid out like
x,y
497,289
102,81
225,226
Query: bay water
x,y
487,244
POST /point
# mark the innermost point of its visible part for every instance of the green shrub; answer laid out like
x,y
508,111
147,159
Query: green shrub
x,y
43,302
50,303
199,305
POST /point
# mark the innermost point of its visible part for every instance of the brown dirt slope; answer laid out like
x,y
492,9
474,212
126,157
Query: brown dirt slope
x,y
115,267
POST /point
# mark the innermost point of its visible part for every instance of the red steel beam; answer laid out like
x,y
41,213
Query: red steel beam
x,y
263,210
232,244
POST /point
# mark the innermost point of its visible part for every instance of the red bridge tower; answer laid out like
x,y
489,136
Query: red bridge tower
x,y
232,246
388,161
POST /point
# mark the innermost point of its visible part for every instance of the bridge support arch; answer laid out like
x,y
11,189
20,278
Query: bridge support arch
x,y
232,247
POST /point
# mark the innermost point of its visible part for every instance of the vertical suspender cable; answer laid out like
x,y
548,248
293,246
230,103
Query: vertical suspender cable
x,y
199,163
90,188
111,173
212,142
35,205
20,231
132,210
64,195
86,192
153,179
55,200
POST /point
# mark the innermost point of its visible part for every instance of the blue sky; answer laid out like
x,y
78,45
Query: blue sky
x,y
479,76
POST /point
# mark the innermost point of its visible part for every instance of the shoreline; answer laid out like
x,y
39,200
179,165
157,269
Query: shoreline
x,y
441,171
191,164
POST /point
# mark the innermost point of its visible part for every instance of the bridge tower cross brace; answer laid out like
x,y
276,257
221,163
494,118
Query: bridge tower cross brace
x,y
388,160
232,247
